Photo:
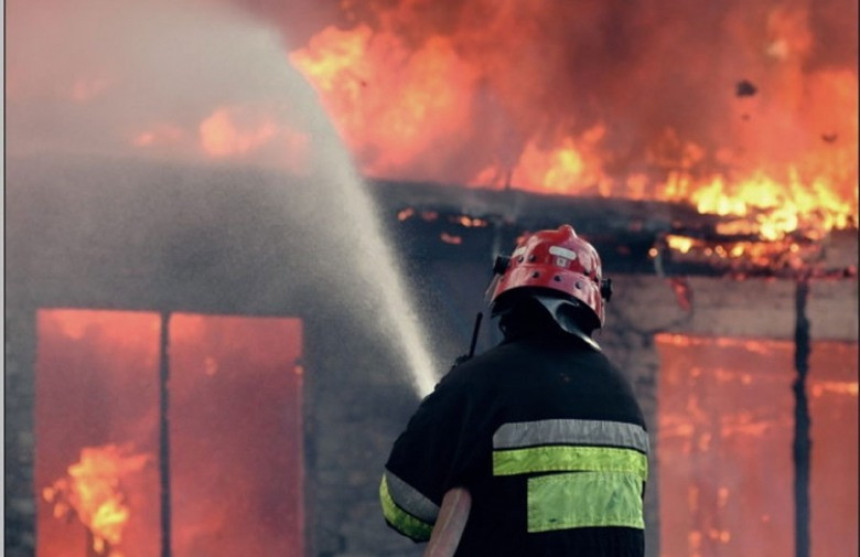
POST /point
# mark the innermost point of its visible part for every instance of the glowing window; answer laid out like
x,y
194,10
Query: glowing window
x,y
726,428
235,420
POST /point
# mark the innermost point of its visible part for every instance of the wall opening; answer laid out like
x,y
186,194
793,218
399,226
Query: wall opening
x,y
725,447
235,426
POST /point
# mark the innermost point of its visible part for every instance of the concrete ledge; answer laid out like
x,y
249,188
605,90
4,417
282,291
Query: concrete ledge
x,y
755,308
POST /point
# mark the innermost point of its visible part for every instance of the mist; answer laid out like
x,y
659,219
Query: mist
x,y
207,85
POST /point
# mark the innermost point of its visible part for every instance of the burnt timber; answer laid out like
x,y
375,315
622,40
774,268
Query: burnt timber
x,y
183,228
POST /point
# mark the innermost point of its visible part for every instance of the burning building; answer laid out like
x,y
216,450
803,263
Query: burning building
x,y
200,361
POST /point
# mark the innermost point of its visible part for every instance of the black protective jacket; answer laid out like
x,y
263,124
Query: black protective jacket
x,y
548,438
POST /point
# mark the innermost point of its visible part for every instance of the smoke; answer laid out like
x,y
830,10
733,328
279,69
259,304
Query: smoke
x,y
102,76
208,84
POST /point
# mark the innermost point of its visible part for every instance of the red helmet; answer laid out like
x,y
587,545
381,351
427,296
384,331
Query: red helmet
x,y
559,261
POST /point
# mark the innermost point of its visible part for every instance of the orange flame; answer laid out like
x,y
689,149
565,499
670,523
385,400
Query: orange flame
x,y
160,134
233,132
92,491
412,91
568,167
391,104
221,136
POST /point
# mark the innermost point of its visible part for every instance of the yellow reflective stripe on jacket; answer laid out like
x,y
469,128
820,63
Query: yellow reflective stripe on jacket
x,y
569,459
584,500
410,499
399,518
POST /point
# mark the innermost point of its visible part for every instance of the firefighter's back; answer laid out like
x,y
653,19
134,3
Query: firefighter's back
x,y
564,452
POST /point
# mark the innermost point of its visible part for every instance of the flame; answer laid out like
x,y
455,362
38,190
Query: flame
x,y
746,255
451,239
221,136
411,89
727,420
160,134
849,388
390,103
577,98
569,167
233,132
468,222
92,491
776,207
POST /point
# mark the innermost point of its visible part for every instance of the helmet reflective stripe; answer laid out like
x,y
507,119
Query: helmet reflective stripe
x,y
562,252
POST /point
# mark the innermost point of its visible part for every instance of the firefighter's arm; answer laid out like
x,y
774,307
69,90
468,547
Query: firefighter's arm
x,y
424,463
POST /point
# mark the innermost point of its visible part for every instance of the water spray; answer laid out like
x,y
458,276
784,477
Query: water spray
x,y
381,272
361,236
198,60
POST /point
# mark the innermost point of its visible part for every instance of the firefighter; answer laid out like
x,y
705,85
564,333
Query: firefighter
x,y
540,438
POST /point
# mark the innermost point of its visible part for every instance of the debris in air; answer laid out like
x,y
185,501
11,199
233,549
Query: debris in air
x,y
745,88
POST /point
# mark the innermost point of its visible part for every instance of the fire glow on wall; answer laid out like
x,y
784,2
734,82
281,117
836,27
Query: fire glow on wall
x,y
725,447
235,429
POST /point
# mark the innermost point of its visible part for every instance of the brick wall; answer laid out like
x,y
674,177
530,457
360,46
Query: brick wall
x,y
358,395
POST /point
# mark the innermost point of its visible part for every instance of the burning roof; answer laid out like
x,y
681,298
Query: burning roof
x,y
578,99
746,113
647,101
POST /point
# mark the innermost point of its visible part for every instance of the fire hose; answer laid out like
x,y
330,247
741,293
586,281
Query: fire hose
x,y
449,527
457,502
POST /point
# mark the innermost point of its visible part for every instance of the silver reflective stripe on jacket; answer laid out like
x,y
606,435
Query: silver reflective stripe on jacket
x,y
571,432
582,473
410,499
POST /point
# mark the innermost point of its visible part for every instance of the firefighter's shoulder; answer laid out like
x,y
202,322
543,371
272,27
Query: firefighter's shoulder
x,y
468,369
